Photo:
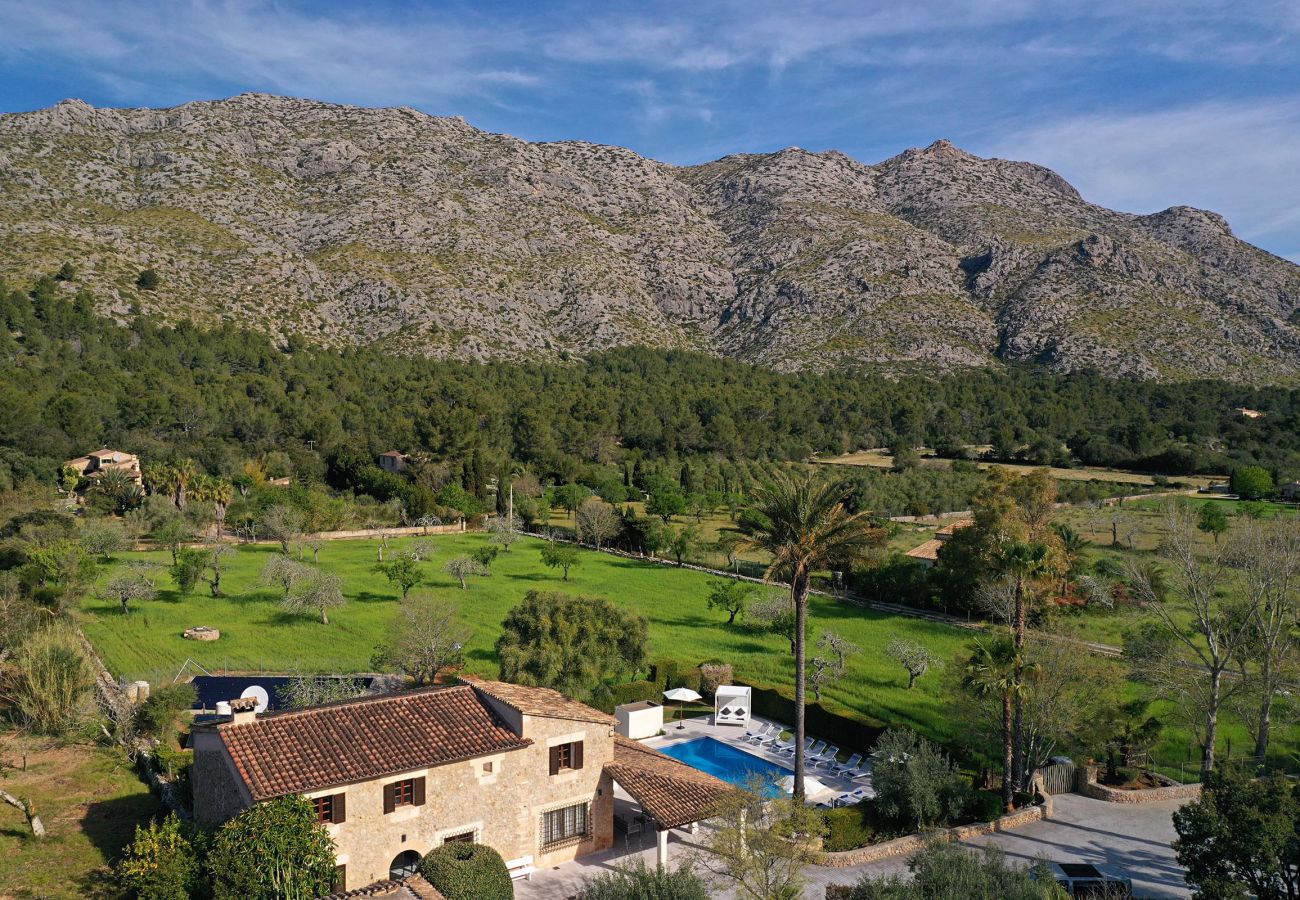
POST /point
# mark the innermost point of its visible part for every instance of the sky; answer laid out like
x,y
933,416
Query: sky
x,y
1141,105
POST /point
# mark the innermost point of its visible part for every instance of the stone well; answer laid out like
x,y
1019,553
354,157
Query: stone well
x,y
201,633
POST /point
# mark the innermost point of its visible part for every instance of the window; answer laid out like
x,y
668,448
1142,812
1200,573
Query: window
x,y
565,757
404,865
331,809
487,767
407,792
564,826
465,837
340,883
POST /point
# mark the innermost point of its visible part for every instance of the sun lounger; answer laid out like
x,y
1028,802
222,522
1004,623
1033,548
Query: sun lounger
x,y
762,734
827,757
849,765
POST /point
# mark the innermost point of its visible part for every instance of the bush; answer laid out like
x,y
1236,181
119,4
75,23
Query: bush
x,y
637,882
713,675
50,681
944,870
468,872
158,714
160,863
272,850
634,691
851,827
915,783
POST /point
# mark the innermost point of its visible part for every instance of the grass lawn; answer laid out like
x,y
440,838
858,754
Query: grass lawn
x,y
90,802
258,635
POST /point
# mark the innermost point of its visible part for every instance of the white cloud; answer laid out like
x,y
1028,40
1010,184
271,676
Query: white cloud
x,y
1238,159
357,56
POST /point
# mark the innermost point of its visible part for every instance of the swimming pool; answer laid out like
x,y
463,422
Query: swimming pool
x,y
728,763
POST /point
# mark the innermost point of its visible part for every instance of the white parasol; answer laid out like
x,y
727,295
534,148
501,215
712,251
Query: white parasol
x,y
682,695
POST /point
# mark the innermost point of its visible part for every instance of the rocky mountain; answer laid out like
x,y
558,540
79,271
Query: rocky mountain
x,y
351,225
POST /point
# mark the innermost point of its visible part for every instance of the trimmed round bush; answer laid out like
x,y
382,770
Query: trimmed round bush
x,y
468,872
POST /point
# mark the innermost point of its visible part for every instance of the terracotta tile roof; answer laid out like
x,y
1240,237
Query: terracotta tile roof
x,y
929,550
539,701
952,528
671,792
358,740
412,888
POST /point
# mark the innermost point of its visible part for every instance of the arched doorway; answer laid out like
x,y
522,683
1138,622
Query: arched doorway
x,y
404,865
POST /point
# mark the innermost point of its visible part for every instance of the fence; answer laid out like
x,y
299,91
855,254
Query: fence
x,y
1058,778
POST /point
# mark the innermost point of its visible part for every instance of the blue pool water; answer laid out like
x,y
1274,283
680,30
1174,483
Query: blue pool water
x,y
728,763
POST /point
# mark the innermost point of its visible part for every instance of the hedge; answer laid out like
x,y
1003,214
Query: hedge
x,y
855,733
468,872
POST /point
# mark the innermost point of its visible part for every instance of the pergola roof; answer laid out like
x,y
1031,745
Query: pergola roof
x,y
671,792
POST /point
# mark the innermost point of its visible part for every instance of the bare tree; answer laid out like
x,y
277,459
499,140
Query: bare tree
x,y
284,573
317,592
313,690
598,522
1266,556
826,669
462,567
505,530
426,637
913,657
218,556
421,549
315,545
281,523
1186,661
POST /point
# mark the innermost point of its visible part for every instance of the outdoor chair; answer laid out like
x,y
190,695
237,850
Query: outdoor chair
x,y
849,765
758,735
830,753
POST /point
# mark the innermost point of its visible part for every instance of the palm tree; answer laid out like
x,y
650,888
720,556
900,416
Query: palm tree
x,y
998,669
182,474
1022,562
806,527
217,491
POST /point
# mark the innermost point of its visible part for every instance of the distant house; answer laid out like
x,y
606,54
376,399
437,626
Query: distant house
x,y
1246,413
95,464
524,770
1290,491
285,481
392,461
928,553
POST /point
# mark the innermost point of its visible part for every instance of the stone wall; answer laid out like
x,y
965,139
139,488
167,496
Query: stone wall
x,y
1172,790
914,843
219,792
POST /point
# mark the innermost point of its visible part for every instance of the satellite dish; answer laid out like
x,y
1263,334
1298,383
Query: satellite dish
x,y
256,690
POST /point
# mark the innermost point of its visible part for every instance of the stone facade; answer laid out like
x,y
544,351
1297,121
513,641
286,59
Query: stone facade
x,y
500,798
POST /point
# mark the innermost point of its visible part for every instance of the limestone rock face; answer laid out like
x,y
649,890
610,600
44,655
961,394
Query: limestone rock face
x,y
348,225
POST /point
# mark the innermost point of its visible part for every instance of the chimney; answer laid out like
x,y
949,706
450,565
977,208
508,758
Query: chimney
x,y
243,711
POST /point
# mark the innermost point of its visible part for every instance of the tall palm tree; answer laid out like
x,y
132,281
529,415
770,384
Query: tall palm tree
x,y
806,527
998,669
1022,562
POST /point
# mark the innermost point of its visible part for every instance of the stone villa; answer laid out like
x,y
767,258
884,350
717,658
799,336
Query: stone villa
x,y
525,770
101,461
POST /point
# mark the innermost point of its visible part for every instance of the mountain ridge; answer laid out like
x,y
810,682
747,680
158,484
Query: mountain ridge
x,y
352,225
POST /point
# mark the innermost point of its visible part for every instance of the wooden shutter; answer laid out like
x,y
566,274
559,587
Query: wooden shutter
x,y
577,754
555,760
389,802
417,792
340,809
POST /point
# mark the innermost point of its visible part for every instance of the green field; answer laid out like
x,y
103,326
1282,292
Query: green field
x,y
258,635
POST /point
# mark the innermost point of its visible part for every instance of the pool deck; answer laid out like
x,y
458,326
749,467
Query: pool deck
x,y
733,735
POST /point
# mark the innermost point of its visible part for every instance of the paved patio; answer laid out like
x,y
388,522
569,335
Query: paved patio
x,y
1133,838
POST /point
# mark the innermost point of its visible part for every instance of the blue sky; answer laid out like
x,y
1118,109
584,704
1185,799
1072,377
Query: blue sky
x,y
1141,105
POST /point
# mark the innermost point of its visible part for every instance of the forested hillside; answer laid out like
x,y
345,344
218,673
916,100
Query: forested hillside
x,y
72,382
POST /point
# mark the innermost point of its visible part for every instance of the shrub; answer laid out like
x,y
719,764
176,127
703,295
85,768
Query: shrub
x,y
272,850
947,870
158,714
851,827
468,872
50,681
915,783
634,691
160,863
711,676
637,882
